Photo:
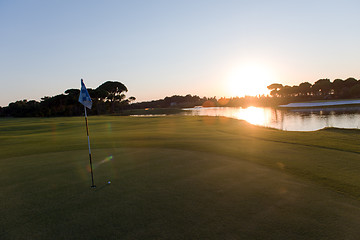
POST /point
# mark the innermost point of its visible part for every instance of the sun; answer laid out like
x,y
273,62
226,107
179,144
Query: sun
x,y
250,80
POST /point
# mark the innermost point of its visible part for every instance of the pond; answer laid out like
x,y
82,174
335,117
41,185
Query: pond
x,y
310,119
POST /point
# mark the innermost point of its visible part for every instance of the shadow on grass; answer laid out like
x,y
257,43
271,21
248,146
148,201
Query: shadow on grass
x,y
101,187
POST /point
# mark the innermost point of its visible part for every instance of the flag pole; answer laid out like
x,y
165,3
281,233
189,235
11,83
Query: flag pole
x,y
87,133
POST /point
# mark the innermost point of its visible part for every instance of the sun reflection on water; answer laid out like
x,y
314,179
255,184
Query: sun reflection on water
x,y
294,120
252,115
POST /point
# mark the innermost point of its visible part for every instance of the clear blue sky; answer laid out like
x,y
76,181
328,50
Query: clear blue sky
x,y
161,48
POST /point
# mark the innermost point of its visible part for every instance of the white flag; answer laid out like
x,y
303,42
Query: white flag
x,y
84,97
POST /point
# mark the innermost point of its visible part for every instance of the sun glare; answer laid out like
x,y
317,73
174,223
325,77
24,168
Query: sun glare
x,y
250,80
253,115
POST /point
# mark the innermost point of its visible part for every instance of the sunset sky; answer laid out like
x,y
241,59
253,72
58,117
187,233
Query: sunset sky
x,y
160,48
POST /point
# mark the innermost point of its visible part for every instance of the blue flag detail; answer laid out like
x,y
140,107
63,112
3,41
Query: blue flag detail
x,y
84,97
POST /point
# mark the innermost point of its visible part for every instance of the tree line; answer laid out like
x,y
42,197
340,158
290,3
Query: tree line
x,y
321,89
108,98
175,101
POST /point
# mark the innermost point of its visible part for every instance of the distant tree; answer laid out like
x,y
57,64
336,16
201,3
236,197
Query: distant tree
x,y
132,99
275,86
274,89
355,91
338,86
72,96
114,93
72,106
72,91
55,106
24,108
305,88
113,90
322,87
295,91
98,94
2,112
349,82
285,91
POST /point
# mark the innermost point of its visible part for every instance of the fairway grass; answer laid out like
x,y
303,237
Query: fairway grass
x,y
176,177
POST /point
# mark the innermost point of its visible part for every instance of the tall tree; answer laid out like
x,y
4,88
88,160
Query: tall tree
x,y
113,89
114,92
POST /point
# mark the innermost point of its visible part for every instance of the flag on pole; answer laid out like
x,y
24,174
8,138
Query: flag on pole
x,y
84,97
85,100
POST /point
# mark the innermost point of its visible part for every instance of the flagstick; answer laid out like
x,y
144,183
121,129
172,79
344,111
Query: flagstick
x,y
87,133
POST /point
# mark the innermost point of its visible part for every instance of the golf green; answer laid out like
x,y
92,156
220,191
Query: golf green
x,y
176,178
166,194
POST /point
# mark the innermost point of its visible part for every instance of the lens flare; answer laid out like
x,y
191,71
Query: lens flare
x,y
107,159
96,165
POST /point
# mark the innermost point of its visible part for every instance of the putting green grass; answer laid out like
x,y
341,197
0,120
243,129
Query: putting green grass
x,y
176,177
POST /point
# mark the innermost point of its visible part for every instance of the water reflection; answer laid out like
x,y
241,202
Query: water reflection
x,y
253,115
289,120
